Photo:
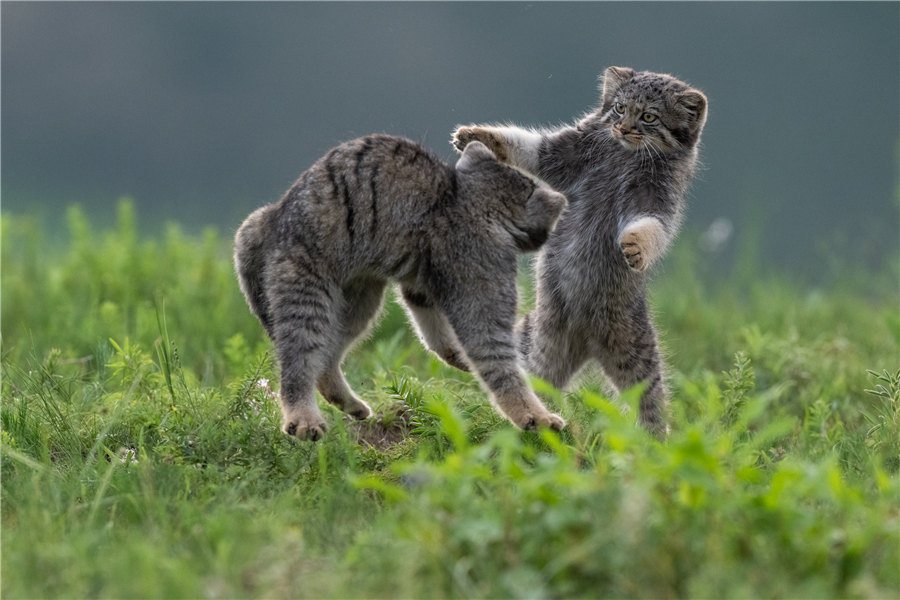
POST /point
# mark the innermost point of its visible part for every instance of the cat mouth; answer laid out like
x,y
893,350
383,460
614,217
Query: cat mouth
x,y
631,141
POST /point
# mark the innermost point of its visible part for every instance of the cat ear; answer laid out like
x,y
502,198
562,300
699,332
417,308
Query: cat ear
x,y
474,153
692,104
551,199
613,79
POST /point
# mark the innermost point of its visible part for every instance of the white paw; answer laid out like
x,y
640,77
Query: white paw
x,y
642,242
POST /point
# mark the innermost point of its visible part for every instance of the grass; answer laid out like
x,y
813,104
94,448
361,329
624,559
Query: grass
x,y
141,455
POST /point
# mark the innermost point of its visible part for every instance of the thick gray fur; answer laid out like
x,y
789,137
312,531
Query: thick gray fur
x,y
313,268
625,168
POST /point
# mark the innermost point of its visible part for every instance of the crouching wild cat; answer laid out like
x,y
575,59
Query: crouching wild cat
x,y
313,268
625,168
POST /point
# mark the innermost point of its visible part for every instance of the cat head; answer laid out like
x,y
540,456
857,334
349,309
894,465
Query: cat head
x,y
514,203
651,110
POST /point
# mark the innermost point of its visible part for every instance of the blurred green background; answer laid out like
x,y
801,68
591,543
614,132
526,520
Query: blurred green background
x,y
202,111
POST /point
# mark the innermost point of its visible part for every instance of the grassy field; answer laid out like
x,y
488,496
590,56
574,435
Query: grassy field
x,y
142,457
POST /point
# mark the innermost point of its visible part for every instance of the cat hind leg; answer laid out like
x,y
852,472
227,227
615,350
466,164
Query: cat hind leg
x,y
304,326
547,348
635,358
362,301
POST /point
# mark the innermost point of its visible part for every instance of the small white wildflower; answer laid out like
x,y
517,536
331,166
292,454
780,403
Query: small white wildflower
x,y
128,456
271,395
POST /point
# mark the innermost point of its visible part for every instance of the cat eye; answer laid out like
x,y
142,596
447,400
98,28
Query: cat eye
x,y
620,108
649,118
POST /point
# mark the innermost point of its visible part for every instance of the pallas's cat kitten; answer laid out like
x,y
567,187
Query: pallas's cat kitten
x,y
625,169
313,268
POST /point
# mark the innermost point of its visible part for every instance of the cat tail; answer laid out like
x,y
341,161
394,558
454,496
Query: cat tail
x,y
250,264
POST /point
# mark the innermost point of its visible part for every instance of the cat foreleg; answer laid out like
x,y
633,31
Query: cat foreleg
x,y
514,146
643,241
489,346
433,328
334,388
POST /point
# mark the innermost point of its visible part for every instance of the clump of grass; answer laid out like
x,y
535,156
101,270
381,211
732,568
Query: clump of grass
x,y
140,443
112,284
708,514
883,435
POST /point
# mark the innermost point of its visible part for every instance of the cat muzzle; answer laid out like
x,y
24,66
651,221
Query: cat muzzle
x,y
629,139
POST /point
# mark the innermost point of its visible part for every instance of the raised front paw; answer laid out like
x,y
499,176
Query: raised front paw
x,y
643,242
633,252
305,426
464,135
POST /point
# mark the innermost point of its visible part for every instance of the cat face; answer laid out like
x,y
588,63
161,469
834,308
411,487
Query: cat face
x,y
651,111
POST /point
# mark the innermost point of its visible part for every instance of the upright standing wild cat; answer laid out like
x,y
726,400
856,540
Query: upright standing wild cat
x,y
625,169
313,267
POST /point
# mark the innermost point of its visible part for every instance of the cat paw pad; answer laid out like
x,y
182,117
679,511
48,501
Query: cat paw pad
x,y
633,252
464,135
642,242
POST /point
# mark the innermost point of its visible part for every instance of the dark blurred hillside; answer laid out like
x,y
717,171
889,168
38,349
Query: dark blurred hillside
x,y
203,111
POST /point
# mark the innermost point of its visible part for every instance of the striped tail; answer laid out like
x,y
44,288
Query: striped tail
x,y
250,263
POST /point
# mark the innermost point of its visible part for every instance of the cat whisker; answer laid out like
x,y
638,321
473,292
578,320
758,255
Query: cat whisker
x,y
598,144
653,148
653,151
647,148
